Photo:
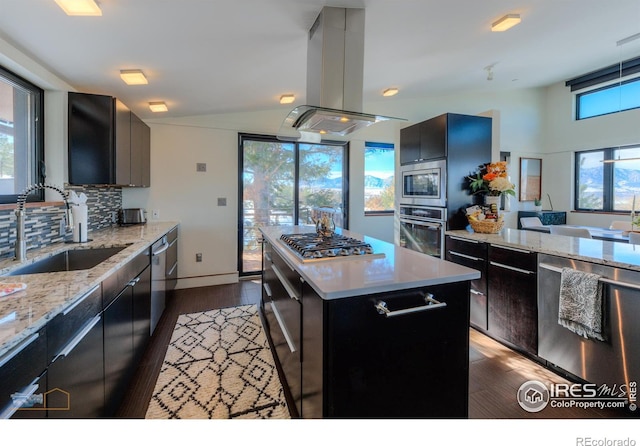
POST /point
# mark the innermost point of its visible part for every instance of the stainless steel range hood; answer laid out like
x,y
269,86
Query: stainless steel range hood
x,y
335,66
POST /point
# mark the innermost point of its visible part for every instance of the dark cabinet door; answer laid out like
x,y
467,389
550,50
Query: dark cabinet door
x,y
312,353
90,139
433,138
123,143
513,298
141,290
118,349
20,368
410,144
76,376
140,153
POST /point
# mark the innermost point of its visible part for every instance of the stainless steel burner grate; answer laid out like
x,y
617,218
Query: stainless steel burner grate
x,y
311,246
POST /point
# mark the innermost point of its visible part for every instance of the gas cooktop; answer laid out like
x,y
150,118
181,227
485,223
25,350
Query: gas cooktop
x,y
311,246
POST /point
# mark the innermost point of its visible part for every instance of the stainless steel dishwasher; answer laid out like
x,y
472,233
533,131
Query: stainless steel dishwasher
x,y
158,279
612,362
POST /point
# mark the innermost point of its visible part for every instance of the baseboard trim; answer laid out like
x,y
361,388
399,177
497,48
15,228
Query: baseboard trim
x,y
200,281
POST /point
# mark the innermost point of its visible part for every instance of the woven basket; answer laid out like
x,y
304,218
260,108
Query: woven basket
x,y
487,226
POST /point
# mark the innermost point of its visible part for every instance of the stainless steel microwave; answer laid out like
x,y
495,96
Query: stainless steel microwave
x,y
425,183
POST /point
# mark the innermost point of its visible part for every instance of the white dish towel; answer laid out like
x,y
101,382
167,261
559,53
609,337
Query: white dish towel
x,y
580,308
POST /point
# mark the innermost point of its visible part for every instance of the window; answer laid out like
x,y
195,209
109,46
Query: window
x,y
614,89
611,99
21,137
607,179
280,182
379,185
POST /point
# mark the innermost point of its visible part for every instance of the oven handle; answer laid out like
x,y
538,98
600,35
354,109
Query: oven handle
x,y
431,304
431,223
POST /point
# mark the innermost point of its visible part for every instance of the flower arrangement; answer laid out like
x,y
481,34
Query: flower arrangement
x,y
492,179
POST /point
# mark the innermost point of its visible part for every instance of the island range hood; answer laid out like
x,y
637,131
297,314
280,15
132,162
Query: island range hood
x,y
335,67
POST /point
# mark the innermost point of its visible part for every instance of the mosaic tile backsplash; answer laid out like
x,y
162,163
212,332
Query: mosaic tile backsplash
x,y
45,225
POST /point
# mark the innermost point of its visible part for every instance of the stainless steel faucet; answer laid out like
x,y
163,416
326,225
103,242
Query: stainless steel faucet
x,y
21,241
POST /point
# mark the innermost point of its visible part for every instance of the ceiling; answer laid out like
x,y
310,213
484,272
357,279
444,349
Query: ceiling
x,y
218,56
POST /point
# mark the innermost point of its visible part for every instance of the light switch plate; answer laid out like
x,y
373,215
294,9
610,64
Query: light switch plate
x,y
201,167
222,201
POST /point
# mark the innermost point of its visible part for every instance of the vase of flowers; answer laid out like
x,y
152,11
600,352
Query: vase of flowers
x,y
537,204
492,180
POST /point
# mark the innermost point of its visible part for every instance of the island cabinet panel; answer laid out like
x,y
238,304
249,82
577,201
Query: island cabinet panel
x,y
283,312
512,291
359,363
472,254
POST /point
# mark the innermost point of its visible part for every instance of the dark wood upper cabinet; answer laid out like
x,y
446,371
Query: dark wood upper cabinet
x,y
108,144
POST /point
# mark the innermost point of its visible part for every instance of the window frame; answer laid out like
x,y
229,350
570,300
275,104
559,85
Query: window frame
x,y
36,164
378,146
584,94
607,179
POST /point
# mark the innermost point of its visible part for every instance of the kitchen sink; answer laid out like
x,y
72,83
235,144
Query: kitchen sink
x,y
71,260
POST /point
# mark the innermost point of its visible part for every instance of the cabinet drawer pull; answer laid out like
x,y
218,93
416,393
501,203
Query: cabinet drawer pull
x,y
19,398
453,237
79,301
509,248
432,304
267,289
267,256
18,349
285,283
512,268
466,256
283,327
477,293
134,282
79,337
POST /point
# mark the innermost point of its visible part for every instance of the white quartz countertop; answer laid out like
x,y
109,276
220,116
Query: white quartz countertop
x,y
616,254
398,269
48,294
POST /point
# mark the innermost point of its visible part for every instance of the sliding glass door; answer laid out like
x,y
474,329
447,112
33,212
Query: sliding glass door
x,y
280,182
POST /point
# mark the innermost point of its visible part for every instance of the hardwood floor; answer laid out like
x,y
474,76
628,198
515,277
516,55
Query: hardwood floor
x,y
495,371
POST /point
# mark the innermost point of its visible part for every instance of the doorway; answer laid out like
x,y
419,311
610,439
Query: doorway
x,y
280,182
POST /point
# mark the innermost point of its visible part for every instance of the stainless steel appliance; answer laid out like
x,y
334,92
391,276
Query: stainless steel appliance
x,y
132,216
424,184
310,246
422,229
158,279
614,362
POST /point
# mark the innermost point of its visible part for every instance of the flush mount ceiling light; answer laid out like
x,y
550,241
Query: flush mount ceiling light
x,y
157,107
80,7
133,77
287,98
390,92
506,22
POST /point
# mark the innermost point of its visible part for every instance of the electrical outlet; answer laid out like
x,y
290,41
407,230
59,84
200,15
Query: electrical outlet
x,y
201,167
155,214
199,257
222,201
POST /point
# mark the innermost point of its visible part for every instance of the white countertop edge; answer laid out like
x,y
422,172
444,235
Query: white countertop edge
x,y
295,263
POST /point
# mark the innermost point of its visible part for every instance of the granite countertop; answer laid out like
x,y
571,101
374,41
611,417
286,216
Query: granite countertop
x,y
616,254
396,269
47,294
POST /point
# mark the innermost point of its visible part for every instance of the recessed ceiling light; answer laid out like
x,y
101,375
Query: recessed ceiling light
x,y
80,7
390,92
157,107
133,77
506,22
287,98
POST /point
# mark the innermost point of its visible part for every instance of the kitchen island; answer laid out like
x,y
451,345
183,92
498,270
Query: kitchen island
x,y
378,335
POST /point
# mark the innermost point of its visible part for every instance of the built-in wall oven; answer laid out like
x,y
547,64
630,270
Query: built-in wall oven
x,y
425,183
422,228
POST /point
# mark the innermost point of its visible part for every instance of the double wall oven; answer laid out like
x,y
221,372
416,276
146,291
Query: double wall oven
x,y
423,211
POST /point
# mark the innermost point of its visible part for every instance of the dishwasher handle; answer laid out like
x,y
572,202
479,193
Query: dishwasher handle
x,y
431,304
162,249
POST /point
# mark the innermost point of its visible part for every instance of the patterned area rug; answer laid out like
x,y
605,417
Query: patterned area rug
x,y
218,365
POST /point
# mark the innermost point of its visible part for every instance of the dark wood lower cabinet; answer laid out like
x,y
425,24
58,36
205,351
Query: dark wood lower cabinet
x,y
513,298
